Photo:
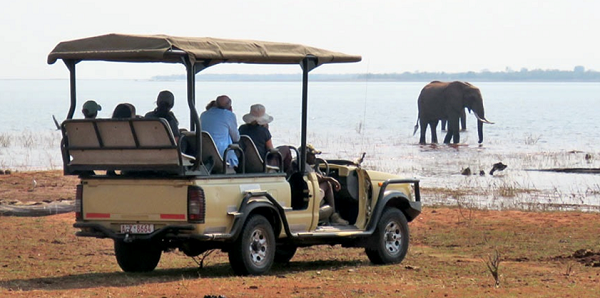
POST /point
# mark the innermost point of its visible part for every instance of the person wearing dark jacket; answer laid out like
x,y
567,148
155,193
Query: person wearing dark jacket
x,y
164,104
257,128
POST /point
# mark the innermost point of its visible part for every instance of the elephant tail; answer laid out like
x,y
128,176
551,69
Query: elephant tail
x,y
416,126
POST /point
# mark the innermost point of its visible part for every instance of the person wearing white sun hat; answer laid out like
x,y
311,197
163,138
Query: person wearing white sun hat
x,y
257,128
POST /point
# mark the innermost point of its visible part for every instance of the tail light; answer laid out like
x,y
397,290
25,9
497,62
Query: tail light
x,y
196,204
78,208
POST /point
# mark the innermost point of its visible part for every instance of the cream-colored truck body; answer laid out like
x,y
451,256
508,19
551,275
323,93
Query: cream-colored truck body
x,y
151,192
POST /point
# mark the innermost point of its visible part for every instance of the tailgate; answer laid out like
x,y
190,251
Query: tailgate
x,y
139,200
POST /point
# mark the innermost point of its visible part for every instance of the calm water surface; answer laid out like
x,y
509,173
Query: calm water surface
x,y
537,126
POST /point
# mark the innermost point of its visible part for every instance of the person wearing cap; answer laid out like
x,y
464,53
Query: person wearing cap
x,y
90,109
221,123
326,183
257,128
164,103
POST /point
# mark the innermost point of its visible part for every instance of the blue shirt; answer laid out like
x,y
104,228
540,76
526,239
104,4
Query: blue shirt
x,y
221,124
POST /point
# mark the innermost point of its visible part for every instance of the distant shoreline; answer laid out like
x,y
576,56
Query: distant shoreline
x,y
524,75
577,75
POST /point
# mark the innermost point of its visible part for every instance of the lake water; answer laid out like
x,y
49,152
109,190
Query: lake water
x,y
537,126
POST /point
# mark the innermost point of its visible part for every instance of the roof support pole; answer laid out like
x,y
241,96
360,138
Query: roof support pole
x,y
192,68
308,63
72,83
191,99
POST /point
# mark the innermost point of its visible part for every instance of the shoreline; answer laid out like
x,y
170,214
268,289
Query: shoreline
x,y
47,191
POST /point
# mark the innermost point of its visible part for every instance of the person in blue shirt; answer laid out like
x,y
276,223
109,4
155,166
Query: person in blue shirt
x,y
220,122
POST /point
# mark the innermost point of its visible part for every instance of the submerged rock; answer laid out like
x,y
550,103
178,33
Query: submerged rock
x,y
498,167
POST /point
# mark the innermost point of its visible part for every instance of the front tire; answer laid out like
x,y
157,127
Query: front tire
x,y
137,257
390,239
253,252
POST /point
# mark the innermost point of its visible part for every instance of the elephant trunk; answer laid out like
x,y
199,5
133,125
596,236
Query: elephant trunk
x,y
480,130
480,121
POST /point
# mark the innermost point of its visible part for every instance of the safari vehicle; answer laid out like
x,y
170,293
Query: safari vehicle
x,y
162,199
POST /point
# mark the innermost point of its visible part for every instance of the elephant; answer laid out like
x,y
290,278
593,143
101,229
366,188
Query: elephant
x,y
445,100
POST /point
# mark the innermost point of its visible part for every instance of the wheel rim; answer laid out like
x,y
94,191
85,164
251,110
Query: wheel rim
x,y
258,247
393,237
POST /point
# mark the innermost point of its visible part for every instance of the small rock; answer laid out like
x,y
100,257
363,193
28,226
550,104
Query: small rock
x,y
481,173
466,171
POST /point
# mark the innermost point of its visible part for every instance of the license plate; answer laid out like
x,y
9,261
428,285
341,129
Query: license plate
x,y
137,229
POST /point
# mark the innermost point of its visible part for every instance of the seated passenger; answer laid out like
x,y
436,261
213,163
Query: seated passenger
x,y
327,184
257,128
220,122
123,111
164,104
90,109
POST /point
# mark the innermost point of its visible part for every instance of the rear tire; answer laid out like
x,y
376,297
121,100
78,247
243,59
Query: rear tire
x,y
390,239
253,252
137,257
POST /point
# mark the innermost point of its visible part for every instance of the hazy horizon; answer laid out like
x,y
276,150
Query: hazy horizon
x,y
391,36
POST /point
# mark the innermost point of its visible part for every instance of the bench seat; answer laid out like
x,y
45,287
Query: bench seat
x,y
121,144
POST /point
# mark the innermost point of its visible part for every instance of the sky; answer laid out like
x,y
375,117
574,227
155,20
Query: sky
x,y
392,36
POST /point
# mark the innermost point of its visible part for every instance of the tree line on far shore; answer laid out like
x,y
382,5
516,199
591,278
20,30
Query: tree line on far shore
x,y
578,74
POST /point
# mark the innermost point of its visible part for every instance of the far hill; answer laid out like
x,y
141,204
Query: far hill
x,y
578,74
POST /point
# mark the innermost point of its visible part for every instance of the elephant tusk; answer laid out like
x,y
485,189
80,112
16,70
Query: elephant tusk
x,y
482,119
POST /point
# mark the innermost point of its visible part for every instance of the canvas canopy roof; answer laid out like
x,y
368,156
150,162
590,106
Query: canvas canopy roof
x,y
164,48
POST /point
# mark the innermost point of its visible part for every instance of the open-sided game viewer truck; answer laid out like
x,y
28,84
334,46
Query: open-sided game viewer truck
x,y
161,198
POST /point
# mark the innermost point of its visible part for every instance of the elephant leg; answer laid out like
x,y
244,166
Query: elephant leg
x,y
453,131
443,125
448,137
456,137
433,127
463,120
423,131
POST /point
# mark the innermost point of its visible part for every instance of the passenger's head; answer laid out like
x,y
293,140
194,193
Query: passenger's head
x,y
165,100
257,115
90,109
311,154
124,110
211,104
224,102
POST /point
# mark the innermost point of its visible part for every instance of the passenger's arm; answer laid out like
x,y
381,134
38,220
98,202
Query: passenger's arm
x,y
334,183
233,129
269,145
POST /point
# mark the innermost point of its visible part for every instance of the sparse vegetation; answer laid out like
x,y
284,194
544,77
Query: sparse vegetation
x,y
493,265
531,139
5,140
